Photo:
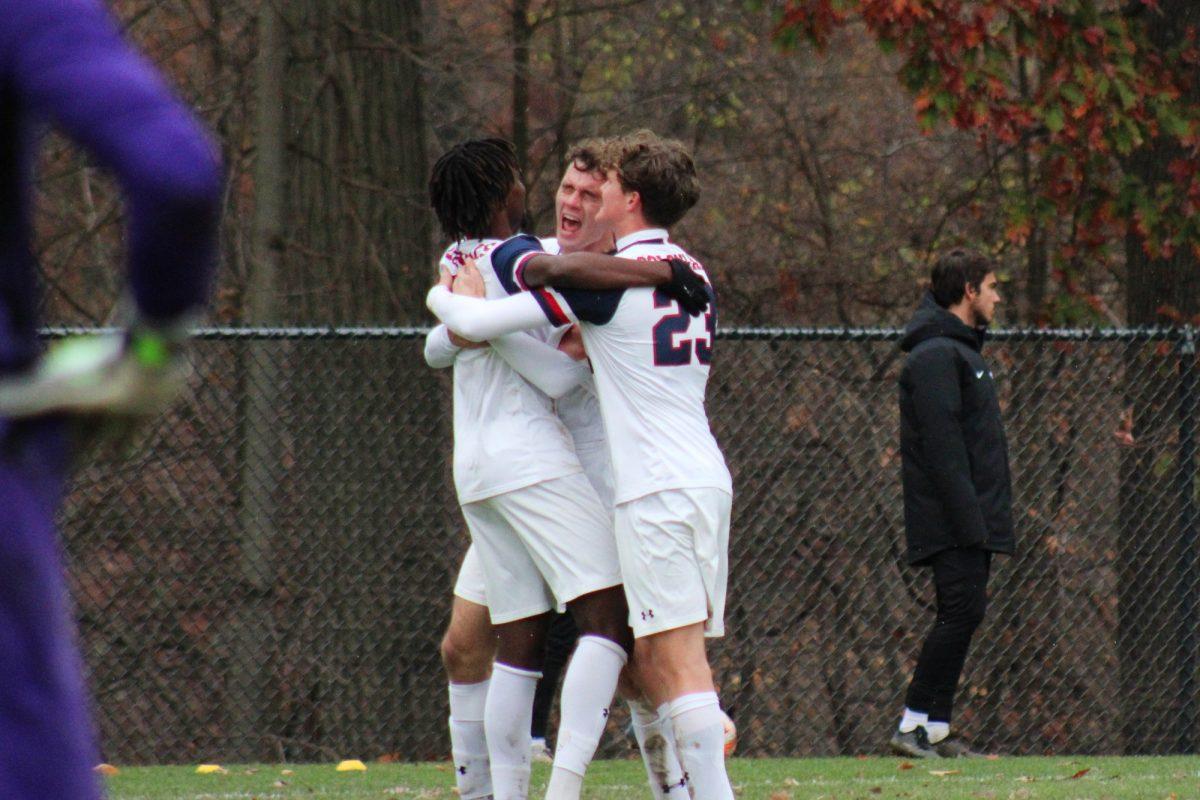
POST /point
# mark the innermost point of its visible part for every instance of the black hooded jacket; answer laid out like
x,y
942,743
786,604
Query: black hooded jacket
x,y
957,488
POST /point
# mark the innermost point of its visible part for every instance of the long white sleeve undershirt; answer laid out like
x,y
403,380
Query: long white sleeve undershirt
x,y
440,352
549,369
543,365
481,320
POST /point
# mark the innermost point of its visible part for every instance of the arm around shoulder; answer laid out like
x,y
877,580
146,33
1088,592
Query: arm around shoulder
x,y
593,271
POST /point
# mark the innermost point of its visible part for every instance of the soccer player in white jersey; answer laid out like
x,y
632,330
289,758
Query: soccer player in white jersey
x,y
651,363
540,531
468,644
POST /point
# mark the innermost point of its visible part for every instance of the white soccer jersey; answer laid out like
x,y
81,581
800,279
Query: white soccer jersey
x,y
506,435
651,364
579,409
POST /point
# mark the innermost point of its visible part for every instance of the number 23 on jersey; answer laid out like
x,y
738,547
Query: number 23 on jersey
x,y
672,346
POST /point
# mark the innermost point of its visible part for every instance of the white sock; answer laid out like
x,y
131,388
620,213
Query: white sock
x,y
507,717
656,740
937,731
700,739
912,720
468,743
587,693
564,784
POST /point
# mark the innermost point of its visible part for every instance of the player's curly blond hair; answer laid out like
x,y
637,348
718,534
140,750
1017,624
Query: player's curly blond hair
x,y
660,170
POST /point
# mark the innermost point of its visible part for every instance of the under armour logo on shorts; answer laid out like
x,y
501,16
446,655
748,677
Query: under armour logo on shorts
x,y
647,614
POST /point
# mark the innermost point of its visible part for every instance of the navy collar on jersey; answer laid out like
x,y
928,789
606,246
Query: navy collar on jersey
x,y
647,236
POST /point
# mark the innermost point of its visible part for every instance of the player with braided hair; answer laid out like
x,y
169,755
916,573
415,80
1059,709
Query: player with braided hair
x,y
466,183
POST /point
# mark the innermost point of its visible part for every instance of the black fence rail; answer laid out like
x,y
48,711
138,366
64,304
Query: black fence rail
x,y
268,575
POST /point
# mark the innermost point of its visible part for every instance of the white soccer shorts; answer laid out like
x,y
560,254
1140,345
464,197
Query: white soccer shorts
x,y
542,546
674,551
471,584
597,466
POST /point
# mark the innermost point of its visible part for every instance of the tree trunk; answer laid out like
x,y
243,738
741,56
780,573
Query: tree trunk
x,y
358,253
1150,622
251,698
359,244
522,34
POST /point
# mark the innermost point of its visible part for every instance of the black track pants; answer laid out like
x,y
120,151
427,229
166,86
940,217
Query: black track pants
x,y
960,576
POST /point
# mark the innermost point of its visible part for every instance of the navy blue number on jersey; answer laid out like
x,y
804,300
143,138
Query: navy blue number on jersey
x,y
672,352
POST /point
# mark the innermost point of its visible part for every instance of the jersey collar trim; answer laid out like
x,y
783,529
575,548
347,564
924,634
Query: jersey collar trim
x,y
648,236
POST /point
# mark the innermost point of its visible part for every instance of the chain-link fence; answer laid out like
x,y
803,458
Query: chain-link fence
x,y
268,575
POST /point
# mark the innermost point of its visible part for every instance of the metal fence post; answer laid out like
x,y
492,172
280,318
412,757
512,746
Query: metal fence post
x,y
1187,540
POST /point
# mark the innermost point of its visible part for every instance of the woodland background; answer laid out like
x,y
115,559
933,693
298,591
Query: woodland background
x,y
842,144
268,577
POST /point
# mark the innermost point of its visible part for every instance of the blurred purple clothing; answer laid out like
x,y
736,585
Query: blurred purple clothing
x,y
47,748
64,64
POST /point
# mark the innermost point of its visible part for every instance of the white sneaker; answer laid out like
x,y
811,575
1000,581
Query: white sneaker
x,y
539,751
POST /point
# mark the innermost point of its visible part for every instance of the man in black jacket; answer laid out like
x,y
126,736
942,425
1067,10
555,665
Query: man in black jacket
x,y
957,491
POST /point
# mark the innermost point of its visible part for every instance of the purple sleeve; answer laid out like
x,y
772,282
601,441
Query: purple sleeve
x,y
68,64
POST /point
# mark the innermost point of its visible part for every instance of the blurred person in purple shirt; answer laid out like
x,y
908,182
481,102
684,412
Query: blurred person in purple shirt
x,y
63,63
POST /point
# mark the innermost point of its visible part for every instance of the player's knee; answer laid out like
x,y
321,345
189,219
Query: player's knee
x,y
671,669
680,673
465,660
521,655
615,631
604,614
452,656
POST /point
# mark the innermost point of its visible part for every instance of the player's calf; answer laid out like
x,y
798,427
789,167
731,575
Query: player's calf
x,y
677,667
467,649
509,710
589,686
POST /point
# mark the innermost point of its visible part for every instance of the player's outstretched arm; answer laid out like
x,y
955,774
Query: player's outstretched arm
x,y
549,369
480,320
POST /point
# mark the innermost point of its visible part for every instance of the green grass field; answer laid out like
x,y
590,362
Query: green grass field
x,y
1069,778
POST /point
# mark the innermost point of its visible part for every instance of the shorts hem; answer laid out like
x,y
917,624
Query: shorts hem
x,y
479,599
641,630
515,616
575,593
